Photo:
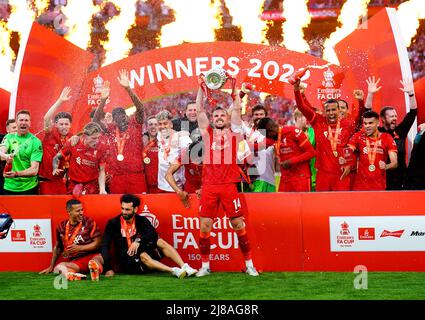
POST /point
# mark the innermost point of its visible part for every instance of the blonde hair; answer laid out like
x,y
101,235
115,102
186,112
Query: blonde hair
x,y
91,128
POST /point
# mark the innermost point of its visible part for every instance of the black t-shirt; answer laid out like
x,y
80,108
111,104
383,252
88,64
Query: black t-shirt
x,y
184,124
396,178
112,235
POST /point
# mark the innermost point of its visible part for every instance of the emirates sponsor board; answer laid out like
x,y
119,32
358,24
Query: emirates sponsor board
x,y
377,233
185,233
28,235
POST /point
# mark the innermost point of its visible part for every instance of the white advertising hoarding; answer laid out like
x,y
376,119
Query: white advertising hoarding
x,y
28,235
377,233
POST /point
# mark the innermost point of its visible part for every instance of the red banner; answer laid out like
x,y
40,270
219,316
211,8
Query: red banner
x,y
376,48
4,109
175,69
49,64
294,232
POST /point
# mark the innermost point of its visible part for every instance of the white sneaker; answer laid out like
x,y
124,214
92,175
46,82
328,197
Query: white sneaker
x,y
189,270
177,272
251,271
203,272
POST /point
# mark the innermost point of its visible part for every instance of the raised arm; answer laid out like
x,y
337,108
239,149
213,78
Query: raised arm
x,y
64,96
408,120
358,109
372,88
203,121
408,88
99,114
305,109
124,81
236,110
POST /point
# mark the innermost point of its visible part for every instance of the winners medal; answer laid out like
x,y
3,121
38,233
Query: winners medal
x,y
146,160
335,153
120,157
372,168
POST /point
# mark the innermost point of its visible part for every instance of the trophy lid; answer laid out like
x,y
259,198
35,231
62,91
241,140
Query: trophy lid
x,y
215,78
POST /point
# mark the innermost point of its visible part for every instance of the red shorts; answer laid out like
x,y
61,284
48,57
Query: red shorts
x,y
295,185
52,187
128,183
225,194
91,187
326,181
81,262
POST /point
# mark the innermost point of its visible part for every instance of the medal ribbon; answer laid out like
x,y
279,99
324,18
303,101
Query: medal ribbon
x,y
167,147
278,142
333,139
68,241
371,153
128,231
148,146
121,140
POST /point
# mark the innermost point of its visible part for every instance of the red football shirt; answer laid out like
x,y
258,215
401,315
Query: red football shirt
x,y
295,147
219,161
366,179
84,161
129,144
151,168
88,231
192,173
325,158
52,144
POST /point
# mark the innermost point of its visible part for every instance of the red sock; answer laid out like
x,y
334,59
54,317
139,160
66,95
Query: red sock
x,y
205,246
244,243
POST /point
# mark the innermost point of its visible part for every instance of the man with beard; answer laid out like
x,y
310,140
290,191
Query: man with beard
x,y
77,248
220,174
125,163
137,246
374,148
396,179
56,134
332,135
170,146
23,153
189,122
86,162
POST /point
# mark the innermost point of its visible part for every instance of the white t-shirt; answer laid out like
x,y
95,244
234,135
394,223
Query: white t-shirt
x,y
168,153
264,160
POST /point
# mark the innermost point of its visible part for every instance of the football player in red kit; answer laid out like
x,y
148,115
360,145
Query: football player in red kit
x,y
294,151
220,174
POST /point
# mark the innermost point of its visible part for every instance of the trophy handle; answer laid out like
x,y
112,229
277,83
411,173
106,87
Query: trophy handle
x,y
233,84
207,91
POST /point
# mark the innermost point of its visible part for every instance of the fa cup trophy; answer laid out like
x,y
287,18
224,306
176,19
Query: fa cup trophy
x,y
215,79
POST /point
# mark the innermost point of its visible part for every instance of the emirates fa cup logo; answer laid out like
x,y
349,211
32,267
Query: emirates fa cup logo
x,y
329,79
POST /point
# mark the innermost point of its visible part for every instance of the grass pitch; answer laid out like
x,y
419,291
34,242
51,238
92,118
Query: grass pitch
x,y
218,286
